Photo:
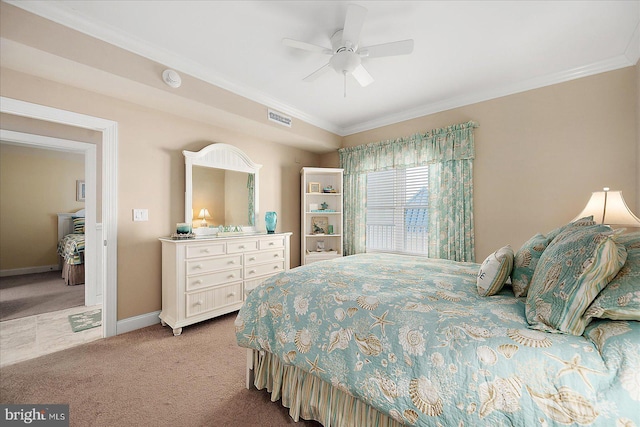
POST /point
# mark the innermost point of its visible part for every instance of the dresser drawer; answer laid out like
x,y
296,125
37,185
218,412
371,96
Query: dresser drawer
x,y
259,257
195,251
213,279
271,242
242,246
201,266
211,299
263,269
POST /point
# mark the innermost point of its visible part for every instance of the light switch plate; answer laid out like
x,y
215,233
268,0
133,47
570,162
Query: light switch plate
x,y
141,214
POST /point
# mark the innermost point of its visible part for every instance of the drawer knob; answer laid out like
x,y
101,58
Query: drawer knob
x,y
199,302
252,258
231,276
205,250
197,282
271,243
232,294
241,246
195,267
276,255
276,267
232,262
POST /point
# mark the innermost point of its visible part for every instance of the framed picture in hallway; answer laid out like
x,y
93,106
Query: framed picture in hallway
x,y
80,189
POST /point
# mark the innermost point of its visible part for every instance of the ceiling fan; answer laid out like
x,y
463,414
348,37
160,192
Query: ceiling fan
x,y
346,54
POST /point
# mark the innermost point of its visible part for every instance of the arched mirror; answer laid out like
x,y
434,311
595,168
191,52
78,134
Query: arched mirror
x,y
221,190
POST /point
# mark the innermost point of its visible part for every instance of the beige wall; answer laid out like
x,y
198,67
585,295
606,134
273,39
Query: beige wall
x,y
540,153
151,176
35,185
56,130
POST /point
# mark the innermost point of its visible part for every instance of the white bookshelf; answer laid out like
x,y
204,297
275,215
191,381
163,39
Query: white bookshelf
x,y
330,219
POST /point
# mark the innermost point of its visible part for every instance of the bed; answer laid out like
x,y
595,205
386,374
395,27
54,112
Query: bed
x,y
71,244
390,340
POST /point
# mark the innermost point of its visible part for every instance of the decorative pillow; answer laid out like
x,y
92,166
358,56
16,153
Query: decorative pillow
x,y
78,225
571,272
582,222
620,300
526,259
525,262
495,271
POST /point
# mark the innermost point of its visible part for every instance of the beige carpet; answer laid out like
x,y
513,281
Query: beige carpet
x,y
149,377
31,294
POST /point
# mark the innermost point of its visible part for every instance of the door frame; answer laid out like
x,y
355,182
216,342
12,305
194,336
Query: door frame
x,y
109,131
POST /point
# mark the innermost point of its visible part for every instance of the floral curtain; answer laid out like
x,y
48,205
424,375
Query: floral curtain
x,y
251,183
449,152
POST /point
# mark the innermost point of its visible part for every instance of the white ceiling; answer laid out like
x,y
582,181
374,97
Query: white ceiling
x,y
465,51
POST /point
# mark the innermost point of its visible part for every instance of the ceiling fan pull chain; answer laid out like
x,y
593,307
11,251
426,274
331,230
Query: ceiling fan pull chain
x,y
344,73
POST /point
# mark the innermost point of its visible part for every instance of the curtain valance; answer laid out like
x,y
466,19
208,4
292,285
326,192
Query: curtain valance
x,y
439,145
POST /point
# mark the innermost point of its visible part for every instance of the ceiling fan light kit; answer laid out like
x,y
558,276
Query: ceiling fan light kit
x,y
346,57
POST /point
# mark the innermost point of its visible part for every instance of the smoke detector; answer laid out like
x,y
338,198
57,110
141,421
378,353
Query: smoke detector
x,y
171,78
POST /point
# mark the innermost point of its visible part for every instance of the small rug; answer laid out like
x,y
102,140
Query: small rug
x,y
87,320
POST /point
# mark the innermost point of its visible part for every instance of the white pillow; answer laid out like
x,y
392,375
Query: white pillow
x,y
495,271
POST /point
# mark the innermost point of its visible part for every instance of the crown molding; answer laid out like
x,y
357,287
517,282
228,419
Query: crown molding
x,y
480,96
112,36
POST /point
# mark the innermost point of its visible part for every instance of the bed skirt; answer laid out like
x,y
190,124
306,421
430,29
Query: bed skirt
x,y
73,274
311,398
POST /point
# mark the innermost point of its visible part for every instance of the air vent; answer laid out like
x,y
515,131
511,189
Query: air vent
x,y
279,118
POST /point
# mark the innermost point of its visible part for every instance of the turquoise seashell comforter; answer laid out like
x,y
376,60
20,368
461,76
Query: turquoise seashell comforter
x,y
411,337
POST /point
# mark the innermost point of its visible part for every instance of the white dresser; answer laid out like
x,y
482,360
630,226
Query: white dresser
x,y
207,277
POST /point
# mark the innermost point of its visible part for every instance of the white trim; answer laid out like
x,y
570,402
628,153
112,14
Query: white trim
x,y
136,322
115,37
29,270
109,130
475,97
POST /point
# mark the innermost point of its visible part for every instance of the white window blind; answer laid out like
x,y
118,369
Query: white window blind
x,y
397,210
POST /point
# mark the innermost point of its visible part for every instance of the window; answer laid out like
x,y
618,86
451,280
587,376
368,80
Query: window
x,y
397,211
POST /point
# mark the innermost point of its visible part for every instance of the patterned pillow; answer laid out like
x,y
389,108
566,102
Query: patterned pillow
x,y
525,262
571,272
495,271
526,259
582,222
620,300
78,225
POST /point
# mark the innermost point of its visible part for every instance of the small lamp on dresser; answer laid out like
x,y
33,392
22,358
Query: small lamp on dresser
x,y
203,215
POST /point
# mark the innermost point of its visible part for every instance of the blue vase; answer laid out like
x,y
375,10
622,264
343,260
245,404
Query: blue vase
x,y
270,221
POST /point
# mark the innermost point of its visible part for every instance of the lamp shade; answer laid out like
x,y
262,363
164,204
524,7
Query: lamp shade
x,y
609,207
203,215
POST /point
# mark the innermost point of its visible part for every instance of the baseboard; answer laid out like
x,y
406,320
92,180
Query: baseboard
x,y
28,270
136,322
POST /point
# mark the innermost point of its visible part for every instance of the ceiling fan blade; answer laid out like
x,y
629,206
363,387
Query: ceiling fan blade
x,y
353,24
306,46
320,71
403,47
362,76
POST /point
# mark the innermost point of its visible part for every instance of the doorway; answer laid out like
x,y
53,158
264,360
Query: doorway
x,y
105,262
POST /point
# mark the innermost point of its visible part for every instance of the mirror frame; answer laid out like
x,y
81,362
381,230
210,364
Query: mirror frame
x,y
220,156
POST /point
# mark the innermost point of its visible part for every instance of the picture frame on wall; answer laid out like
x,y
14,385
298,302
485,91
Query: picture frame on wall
x,y
314,187
80,191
